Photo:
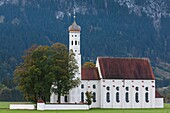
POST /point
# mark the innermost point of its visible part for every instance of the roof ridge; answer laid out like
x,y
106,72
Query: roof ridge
x,y
142,58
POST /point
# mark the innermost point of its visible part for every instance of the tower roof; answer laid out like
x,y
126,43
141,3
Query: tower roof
x,y
74,26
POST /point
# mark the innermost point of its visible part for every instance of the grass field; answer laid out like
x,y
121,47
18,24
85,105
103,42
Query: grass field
x,y
5,105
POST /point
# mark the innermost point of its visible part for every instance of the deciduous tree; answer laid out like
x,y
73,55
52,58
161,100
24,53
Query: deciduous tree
x,y
44,67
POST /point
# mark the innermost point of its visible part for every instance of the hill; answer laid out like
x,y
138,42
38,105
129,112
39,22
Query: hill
x,y
119,28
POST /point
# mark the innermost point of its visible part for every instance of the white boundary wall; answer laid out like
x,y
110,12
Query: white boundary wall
x,y
159,103
43,106
22,106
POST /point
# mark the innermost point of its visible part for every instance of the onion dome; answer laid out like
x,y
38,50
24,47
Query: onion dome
x,y
74,27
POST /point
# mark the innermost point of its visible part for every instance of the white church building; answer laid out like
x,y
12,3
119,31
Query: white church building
x,y
114,82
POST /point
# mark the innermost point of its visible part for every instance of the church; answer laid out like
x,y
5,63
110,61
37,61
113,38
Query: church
x,y
114,82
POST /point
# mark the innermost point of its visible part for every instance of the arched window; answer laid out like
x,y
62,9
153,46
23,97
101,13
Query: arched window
x,y
117,88
137,97
94,97
82,86
137,88
94,86
127,88
127,97
82,97
146,97
65,98
117,97
75,42
108,88
147,89
71,42
108,97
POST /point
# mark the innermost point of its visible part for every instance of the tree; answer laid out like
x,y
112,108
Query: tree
x,y
66,80
89,65
89,97
43,67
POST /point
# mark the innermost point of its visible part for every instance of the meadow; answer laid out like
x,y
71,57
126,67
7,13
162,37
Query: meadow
x,y
4,108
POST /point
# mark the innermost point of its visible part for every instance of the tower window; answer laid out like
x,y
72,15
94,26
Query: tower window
x,y
75,35
108,97
71,42
75,42
94,97
82,97
78,43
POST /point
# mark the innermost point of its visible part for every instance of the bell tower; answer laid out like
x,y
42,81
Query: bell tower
x,y
74,45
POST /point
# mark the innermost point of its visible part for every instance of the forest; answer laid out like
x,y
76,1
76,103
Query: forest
x,y
116,28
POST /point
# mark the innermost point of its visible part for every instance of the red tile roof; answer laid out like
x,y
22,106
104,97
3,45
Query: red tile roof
x,y
157,94
89,74
126,68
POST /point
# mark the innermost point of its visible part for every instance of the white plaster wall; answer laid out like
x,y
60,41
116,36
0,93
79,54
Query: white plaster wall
x,y
73,38
159,103
132,84
53,98
112,84
127,83
88,86
42,106
22,106
74,94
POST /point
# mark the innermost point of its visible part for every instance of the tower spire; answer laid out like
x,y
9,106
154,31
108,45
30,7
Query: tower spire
x,y
74,18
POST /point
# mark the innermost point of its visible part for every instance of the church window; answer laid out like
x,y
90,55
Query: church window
x,y
75,42
65,98
137,88
117,97
146,97
78,43
108,88
117,88
75,35
94,86
137,97
75,50
108,97
127,88
82,86
127,97
94,97
72,36
71,42
147,89
82,97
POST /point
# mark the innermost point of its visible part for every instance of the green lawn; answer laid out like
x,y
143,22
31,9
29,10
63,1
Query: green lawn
x,y
5,105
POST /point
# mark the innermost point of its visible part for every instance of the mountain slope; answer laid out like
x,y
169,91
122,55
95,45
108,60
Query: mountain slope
x,y
119,28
